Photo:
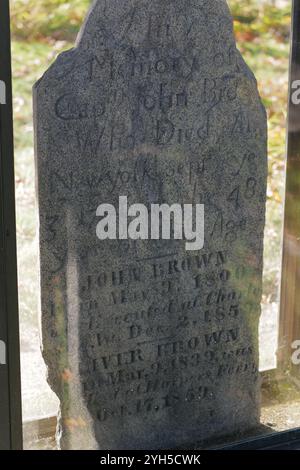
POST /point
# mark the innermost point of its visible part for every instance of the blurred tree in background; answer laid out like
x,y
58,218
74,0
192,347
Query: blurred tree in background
x,y
43,28
41,19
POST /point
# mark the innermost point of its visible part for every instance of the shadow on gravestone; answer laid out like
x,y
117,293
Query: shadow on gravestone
x,y
148,345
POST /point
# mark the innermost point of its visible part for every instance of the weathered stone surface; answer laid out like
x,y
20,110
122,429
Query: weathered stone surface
x,y
148,345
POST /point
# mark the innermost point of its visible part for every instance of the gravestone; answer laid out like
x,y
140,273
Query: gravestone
x,y
149,345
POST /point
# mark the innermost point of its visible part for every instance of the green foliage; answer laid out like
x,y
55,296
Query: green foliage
x,y
37,19
255,17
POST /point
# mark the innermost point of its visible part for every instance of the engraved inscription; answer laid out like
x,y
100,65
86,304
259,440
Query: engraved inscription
x,y
148,346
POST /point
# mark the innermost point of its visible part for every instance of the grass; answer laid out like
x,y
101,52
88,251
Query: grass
x,y
262,35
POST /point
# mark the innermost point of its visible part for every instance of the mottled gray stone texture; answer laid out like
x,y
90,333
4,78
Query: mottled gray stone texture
x,y
149,345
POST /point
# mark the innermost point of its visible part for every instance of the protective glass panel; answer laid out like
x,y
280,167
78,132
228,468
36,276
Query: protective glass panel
x,y
161,325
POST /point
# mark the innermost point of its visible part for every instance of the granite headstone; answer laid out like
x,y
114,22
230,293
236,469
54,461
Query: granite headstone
x,y
149,345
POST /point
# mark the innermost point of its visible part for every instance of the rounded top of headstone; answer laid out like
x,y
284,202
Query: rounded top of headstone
x,y
130,21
